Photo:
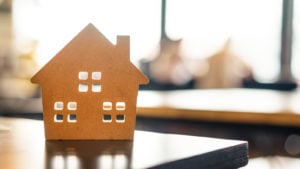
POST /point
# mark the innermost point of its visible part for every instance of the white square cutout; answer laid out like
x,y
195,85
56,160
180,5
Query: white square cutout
x,y
72,118
107,118
83,87
83,75
96,87
96,75
72,105
107,105
58,118
120,106
59,105
120,118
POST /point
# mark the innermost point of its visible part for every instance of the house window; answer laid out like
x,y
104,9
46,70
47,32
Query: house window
x,y
120,106
106,118
83,88
120,118
58,105
83,75
96,75
96,88
107,106
72,105
58,118
72,118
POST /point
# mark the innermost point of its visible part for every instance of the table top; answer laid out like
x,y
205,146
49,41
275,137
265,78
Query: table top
x,y
247,106
22,145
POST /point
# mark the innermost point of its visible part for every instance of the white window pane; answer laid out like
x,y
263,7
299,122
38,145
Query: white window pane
x,y
58,105
120,106
72,105
83,87
83,75
96,75
96,88
107,106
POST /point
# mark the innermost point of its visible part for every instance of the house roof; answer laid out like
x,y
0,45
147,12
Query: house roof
x,y
91,41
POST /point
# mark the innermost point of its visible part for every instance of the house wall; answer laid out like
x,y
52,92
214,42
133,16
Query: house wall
x,y
89,112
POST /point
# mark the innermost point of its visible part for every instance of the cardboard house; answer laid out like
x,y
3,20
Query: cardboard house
x,y
89,89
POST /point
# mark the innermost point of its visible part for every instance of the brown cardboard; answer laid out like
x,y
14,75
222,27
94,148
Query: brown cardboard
x,y
89,89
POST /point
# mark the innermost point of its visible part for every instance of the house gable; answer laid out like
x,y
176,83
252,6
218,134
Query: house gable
x,y
90,42
91,52
88,36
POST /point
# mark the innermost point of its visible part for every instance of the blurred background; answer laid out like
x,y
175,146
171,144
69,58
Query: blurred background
x,y
178,44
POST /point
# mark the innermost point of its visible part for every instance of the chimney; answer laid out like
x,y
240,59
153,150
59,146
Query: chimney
x,y
123,46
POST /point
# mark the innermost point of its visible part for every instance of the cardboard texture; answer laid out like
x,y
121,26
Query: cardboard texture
x,y
89,89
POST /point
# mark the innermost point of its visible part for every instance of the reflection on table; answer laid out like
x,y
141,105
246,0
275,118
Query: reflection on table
x,y
88,154
23,146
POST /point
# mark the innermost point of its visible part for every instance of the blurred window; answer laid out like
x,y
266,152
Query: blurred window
x,y
296,41
254,26
54,23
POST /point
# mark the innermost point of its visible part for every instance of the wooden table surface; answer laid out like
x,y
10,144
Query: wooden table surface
x,y
250,106
22,145
246,106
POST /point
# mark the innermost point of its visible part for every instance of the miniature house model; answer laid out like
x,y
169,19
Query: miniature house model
x,y
89,89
